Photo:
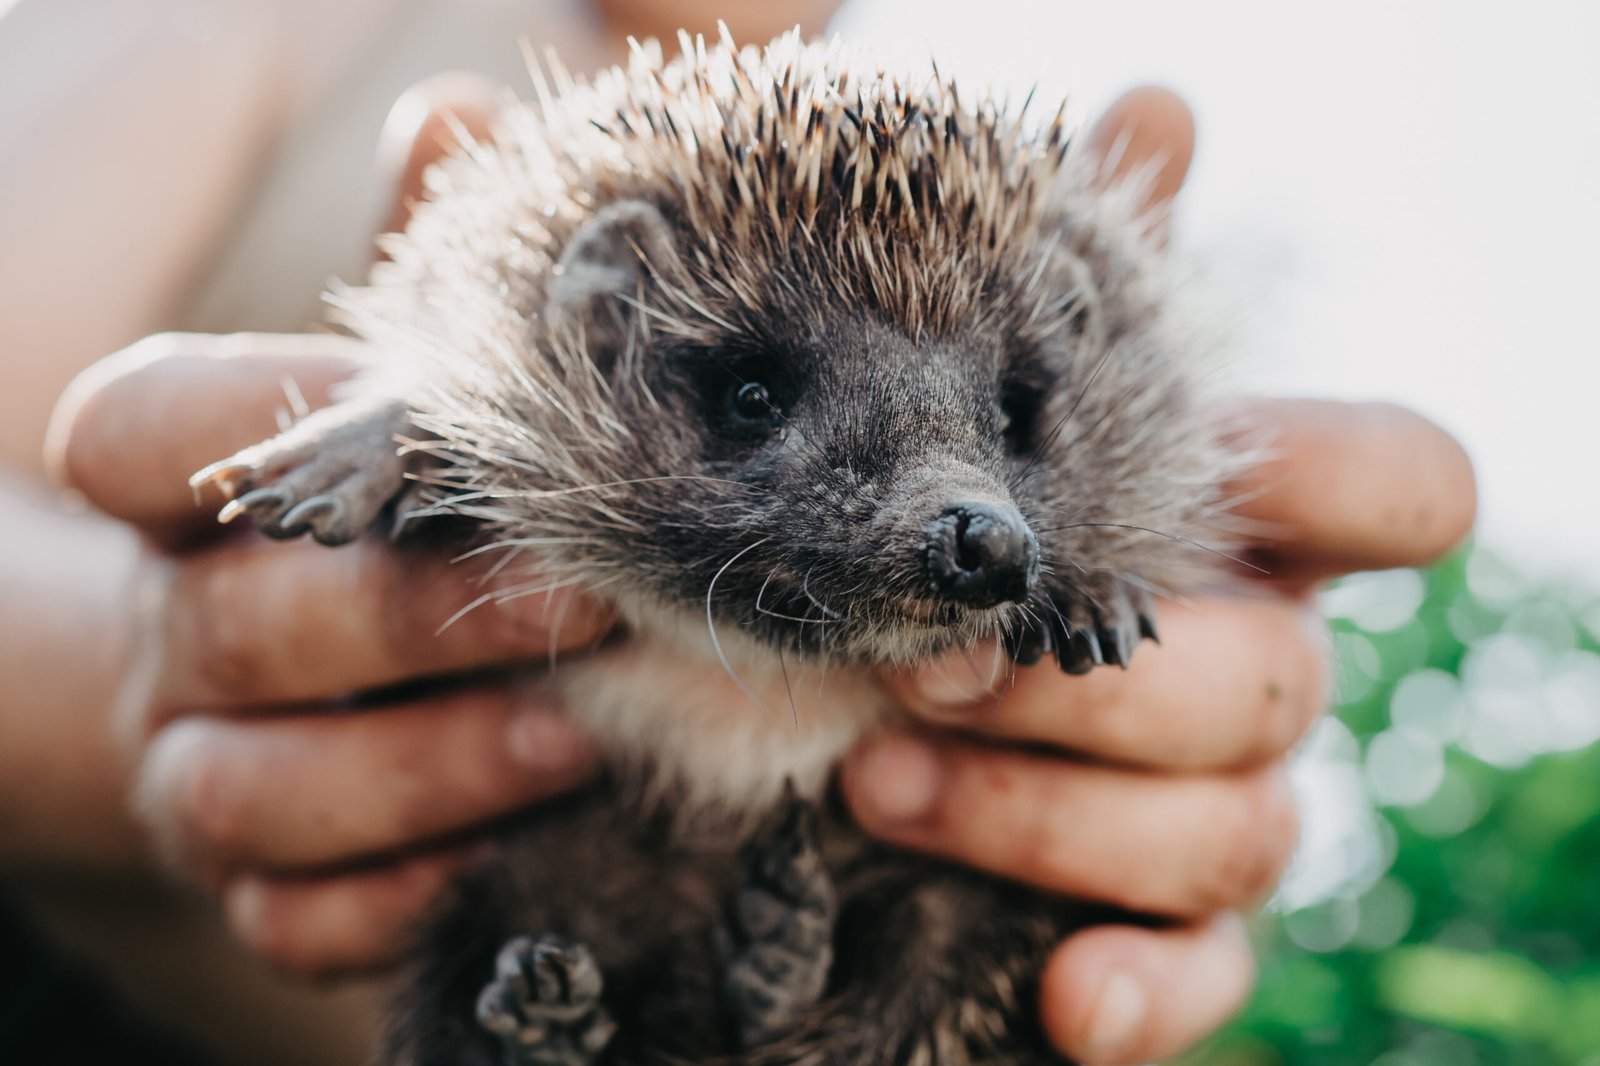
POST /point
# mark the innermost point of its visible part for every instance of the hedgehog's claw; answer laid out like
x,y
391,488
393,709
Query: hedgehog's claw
x,y
1080,652
1077,646
225,475
263,505
1114,643
324,516
412,503
1029,642
1118,618
332,473
1080,636
1145,610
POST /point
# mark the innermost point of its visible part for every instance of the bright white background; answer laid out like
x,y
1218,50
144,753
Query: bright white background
x,y
1390,201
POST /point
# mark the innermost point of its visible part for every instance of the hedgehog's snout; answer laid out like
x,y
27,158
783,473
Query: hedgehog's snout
x,y
982,554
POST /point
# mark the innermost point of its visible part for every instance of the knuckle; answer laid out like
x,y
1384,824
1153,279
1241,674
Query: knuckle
x,y
189,795
1293,693
1258,838
1031,833
418,608
209,809
224,651
1315,692
269,929
522,624
1277,724
1281,826
506,630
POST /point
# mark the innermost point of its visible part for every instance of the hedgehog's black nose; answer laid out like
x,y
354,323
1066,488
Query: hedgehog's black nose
x,y
983,554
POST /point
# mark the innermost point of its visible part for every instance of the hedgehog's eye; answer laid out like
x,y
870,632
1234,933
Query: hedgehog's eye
x,y
1020,407
750,404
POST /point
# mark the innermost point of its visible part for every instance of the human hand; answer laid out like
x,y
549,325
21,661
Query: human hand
x,y
1173,800
325,833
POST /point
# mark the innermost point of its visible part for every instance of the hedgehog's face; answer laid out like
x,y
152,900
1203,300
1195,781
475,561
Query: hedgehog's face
x,y
824,478
858,491
821,481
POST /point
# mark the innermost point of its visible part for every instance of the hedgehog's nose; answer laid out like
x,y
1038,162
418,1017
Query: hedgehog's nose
x,y
982,554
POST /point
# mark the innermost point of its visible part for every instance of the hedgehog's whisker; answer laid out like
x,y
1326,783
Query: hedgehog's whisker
x,y
1158,533
827,612
541,494
794,711
711,625
770,613
517,592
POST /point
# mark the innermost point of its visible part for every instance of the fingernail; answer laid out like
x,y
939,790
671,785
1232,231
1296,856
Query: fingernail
x,y
1116,1019
897,778
540,739
953,684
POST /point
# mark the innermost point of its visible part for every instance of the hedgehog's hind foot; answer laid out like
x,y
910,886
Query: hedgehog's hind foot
x,y
779,940
330,474
544,1003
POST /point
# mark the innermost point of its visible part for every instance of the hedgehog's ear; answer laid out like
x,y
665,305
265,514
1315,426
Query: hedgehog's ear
x,y
598,280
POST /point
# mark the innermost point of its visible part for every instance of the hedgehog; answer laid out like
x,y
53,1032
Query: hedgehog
x,y
809,369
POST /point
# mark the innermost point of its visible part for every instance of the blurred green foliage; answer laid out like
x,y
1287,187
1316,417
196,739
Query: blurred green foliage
x,y
1468,707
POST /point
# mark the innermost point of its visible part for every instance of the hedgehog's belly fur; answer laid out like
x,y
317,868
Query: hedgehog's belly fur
x,y
719,734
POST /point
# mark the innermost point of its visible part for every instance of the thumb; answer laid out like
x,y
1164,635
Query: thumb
x,y
1149,130
430,120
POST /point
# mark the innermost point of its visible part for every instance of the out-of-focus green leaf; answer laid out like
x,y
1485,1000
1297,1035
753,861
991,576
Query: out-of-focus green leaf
x,y
1497,993
1480,944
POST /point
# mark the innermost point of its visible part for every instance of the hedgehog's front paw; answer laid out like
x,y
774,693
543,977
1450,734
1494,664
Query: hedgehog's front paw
x,y
1086,628
779,940
544,1002
331,473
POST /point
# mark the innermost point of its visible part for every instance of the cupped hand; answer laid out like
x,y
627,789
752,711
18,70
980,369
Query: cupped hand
x,y
326,833
1168,795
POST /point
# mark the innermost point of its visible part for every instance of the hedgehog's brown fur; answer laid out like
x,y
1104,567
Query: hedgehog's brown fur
x,y
969,312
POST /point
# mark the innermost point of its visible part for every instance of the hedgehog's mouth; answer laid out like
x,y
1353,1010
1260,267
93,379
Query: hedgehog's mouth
x,y
873,629
936,612
923,610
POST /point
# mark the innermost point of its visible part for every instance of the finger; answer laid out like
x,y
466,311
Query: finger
x,y
354,922
1124,995
259,622
430,120
1173,845
312,791
1352,486
1233,683
114,436
1148,132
